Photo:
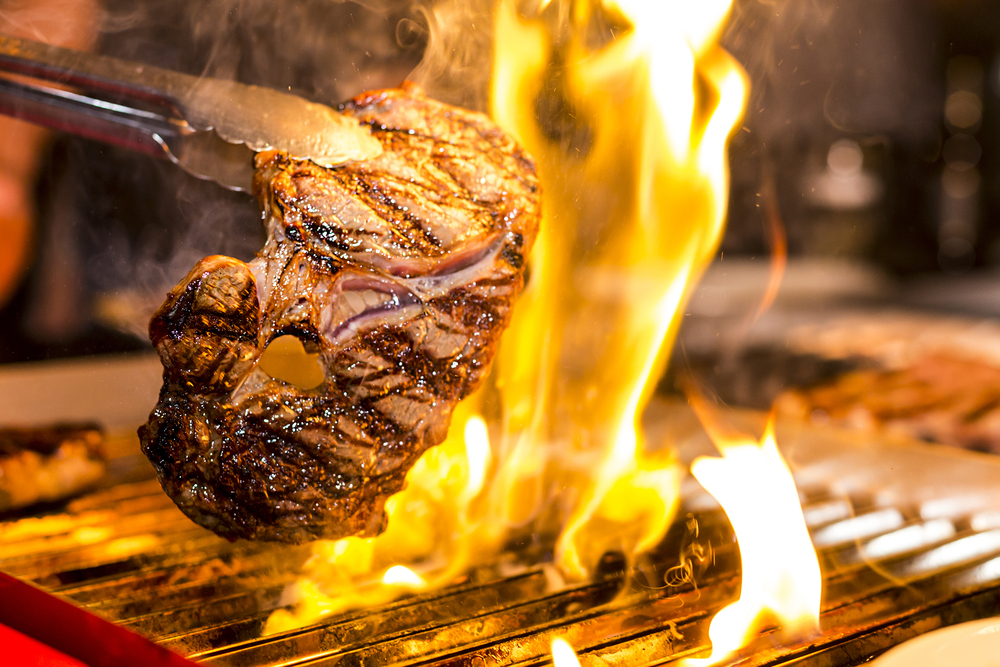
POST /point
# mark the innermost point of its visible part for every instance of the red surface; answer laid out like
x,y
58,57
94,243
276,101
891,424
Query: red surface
x,y
26,652
77,633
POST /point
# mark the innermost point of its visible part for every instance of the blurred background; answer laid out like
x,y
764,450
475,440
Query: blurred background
x,y
878,123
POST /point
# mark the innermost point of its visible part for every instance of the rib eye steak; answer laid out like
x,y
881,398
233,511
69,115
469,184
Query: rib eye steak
x,y
400,271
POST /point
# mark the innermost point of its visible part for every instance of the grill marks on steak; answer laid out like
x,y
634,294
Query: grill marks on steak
x,y
400,271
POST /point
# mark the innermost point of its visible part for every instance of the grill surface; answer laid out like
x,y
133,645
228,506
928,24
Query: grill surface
x,y
909,539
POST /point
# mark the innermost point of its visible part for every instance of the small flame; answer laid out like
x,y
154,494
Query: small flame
x,y
400,575
563,654
781,575
779,244
477,455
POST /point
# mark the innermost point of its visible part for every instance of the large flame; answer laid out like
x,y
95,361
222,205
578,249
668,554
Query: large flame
x,y
630,138
781,577
627,107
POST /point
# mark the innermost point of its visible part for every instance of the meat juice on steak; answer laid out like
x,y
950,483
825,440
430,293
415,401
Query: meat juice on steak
x,y
400,271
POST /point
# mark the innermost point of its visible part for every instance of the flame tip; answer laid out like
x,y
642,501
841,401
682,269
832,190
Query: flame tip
x,y
781,575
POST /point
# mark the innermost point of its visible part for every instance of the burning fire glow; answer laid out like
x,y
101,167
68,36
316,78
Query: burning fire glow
x,y
781,575
627,107
563,654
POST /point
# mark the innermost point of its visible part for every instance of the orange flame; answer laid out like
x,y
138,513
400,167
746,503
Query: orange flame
x,y
781,575
779,244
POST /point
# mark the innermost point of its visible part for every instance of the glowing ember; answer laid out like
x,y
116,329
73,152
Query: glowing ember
x,y
781,574
563,654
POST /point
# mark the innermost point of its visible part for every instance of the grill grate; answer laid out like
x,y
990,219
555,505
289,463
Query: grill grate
x,y
909,540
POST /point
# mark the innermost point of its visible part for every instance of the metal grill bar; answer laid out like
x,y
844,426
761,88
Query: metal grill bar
x,y
895,563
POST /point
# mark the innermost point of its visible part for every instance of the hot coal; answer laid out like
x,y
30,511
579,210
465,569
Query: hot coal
x,y
399,271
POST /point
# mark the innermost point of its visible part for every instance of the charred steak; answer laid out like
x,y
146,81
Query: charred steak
x,y
400,271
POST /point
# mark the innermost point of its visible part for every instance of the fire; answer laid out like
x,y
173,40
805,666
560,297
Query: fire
x,y
627,107
429,524
633,165
563,654
781,575
400,575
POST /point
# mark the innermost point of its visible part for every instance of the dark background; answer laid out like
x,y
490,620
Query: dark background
x,y
875,73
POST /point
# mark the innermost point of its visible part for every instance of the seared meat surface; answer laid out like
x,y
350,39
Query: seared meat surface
x,y
400,271
48,463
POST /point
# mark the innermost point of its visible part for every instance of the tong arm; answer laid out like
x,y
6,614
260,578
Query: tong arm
x,y
174,110
136,129
123,80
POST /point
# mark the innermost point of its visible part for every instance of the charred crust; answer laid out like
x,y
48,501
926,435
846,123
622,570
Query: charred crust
x,y
271,461
511,255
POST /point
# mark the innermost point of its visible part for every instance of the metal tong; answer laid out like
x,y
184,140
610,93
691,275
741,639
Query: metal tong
x,y
209,127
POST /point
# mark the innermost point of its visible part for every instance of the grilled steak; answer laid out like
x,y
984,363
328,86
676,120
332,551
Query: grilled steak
x,y
400,271
48,463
